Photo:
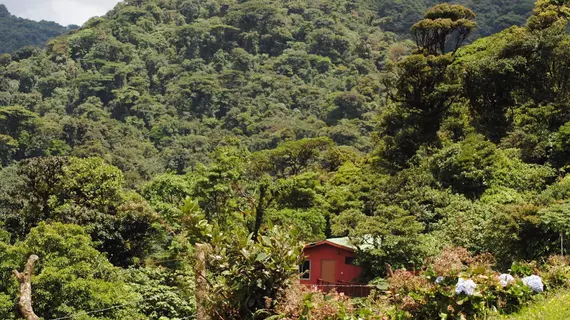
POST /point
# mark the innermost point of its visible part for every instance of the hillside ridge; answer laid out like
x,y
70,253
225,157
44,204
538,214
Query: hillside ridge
x,y
16,33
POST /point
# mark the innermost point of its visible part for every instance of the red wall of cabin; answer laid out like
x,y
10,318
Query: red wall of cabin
x,y
343,272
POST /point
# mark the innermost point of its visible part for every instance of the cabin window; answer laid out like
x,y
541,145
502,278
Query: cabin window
x,y
305,270
349,260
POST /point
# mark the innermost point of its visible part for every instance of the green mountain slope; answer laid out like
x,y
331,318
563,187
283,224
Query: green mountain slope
x,y
156,84
16,33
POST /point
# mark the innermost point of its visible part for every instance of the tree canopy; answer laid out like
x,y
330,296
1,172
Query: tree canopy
x,y
250,127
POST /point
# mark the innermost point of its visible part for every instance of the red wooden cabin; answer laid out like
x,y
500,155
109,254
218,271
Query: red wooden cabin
x,y
329,264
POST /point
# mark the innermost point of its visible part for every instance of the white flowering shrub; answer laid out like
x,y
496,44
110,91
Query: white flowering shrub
x,y
505,279
534,282
433,293
465,286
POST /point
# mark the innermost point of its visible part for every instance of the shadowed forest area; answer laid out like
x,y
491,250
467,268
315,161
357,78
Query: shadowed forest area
x,y
16,33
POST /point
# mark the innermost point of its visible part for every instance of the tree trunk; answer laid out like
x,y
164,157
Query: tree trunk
x,y
201,291
259,211
25,280
389,272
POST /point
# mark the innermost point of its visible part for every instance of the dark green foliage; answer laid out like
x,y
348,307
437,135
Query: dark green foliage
x,y
492,15
390,235
504,76
423,91
17,33
444,27
87,192
71,276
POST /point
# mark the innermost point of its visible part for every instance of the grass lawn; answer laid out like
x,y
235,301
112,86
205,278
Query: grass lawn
x,y
552,307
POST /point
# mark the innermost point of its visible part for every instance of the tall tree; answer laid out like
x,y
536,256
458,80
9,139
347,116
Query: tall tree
x,y
549,12
444,27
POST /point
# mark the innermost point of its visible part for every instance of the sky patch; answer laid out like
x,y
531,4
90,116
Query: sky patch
x,y
64,12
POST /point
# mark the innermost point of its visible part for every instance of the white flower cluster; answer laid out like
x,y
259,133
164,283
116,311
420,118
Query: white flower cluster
x,y
465,286
438,280
505,279
534,283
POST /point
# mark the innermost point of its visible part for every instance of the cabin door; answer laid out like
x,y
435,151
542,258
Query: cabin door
x,y
328,270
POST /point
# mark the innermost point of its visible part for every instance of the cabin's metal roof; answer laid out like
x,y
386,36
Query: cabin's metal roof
x,y
343,242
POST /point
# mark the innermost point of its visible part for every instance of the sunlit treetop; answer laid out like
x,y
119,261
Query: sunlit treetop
x,y
549,12
445,28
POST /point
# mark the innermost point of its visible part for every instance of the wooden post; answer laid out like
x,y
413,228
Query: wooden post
x,y
25,280
562,244
389,272
201,291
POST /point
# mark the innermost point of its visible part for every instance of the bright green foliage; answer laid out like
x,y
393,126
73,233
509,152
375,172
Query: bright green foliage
x,y
551,307
87,192
90,183
555,218
309,223
466,167
155,86
217,186
247,272
556,192
292,157
163,294
71,276
299,192
549,12
464,223
392,233
167,193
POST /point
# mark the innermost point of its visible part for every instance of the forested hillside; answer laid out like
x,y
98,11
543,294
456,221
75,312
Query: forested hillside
x,y
250,126
155,86
16,33
493,16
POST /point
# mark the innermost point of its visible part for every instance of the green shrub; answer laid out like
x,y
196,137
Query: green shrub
x,y
523,269
556,272
248,274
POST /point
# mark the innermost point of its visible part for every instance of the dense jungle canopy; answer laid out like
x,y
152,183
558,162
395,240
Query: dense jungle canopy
x,y
168,123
